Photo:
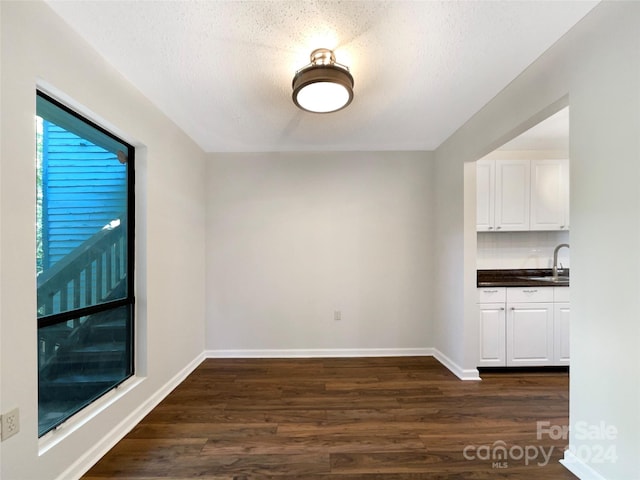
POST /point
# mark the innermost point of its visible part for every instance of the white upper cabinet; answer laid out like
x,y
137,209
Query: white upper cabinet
x,y
513,187
549,195
485,195
517,195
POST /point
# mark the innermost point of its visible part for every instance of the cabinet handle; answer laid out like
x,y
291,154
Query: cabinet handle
x,y
498,228
501,309
530,291
490,291
490,228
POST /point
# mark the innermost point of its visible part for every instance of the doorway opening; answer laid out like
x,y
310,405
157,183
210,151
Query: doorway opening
x,y
522,254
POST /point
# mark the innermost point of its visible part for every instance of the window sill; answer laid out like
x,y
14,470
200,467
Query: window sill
x,y
77,421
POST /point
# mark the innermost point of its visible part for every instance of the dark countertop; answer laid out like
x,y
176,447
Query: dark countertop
x,y
519,278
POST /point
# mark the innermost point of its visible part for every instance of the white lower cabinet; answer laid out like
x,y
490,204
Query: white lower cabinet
x,y
492,334
529,334
561,333
520,327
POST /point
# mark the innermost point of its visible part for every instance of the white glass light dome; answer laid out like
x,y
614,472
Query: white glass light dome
x,y
323,86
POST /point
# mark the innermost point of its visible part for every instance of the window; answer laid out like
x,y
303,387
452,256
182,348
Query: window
x,y
84,261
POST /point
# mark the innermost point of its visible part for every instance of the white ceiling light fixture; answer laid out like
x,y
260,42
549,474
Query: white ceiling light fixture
x,y
324,85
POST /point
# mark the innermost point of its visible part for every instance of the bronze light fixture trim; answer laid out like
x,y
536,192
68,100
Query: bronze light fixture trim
x,y
324,85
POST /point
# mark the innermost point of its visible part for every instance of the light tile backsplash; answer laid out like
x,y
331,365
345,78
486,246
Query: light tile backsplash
x,y
515,250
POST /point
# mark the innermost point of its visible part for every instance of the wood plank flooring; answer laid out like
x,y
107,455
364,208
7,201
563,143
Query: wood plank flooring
x,y
394,418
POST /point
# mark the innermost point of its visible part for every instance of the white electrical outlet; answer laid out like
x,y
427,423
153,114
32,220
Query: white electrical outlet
x,y
10,423
337,315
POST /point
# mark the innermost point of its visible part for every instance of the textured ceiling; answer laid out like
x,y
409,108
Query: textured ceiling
x,y
222,70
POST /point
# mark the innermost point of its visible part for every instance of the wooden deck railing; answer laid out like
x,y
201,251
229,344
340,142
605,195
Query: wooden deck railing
x,y
87,276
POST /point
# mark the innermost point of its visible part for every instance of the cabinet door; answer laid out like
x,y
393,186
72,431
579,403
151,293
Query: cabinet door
x,y
561,334
485,194
529,334
549,194
512,195
491,334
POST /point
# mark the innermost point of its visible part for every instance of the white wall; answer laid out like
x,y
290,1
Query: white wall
x,y
38,49
293,237
596,69
449,264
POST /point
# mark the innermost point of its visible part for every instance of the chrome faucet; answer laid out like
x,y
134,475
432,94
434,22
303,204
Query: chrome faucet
x,y
554,271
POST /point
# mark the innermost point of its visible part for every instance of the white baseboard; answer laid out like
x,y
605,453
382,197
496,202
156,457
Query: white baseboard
x,y
320,353
580,469
91,457
461,373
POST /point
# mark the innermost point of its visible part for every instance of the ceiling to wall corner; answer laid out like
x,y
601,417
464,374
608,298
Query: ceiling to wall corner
x,y
222,70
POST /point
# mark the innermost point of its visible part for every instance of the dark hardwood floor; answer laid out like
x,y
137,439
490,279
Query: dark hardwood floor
x,y
403,418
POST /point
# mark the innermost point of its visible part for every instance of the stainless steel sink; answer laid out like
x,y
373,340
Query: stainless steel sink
x,y
551,279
